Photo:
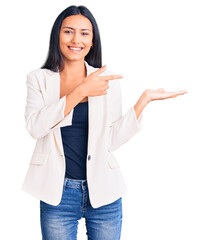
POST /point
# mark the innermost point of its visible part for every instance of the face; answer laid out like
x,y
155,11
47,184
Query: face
x,y
76,35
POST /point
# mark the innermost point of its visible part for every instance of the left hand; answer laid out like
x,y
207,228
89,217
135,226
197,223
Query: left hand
x,y
160,94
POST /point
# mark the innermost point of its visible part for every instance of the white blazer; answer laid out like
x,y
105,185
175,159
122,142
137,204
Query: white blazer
x,y
107,131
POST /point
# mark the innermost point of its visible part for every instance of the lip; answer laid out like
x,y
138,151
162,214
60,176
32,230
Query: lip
x,y
76,51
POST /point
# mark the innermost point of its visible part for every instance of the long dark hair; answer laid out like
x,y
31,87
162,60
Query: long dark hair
x,y
54,59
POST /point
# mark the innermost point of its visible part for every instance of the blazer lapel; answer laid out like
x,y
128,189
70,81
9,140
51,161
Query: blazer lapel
x,y
53,94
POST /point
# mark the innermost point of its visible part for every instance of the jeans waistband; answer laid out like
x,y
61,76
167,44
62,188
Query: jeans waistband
x,y
74,183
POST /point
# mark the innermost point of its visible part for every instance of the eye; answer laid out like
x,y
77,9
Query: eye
x,y
68,31
85,33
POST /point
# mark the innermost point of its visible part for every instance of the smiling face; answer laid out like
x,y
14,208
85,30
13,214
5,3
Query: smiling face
x,y
75,38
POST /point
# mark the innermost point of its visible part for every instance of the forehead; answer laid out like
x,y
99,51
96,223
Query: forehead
x,y
77,21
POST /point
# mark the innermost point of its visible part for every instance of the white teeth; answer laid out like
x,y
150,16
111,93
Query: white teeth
x,y
77,49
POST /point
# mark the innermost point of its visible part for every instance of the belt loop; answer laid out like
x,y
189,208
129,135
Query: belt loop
x,y
83,184
64,185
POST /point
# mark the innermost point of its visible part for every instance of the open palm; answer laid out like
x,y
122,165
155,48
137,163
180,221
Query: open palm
x,y
160,94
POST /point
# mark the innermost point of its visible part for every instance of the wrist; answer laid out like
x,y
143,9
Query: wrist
x,y
81,90
141,104
144,99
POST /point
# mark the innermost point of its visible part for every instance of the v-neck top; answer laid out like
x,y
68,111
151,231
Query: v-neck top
x,y
74,139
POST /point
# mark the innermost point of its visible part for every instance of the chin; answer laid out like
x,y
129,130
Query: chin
x,y
74,58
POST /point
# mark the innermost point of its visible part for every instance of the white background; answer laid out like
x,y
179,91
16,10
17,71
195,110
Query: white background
x,y
153,44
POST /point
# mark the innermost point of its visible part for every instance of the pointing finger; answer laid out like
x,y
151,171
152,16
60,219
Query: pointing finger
x,y
111,77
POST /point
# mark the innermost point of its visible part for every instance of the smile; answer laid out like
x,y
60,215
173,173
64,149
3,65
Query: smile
x,y
75,49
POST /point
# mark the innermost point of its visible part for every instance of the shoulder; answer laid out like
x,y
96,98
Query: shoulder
x,y
40,72
38,77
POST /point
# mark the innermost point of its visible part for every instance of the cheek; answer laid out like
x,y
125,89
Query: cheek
x,y
61,45
63,39
87,40
88,43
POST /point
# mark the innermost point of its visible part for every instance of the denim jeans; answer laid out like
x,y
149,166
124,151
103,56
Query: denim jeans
x,y
60,222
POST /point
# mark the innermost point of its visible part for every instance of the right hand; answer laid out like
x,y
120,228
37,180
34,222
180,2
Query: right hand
x,y
94,85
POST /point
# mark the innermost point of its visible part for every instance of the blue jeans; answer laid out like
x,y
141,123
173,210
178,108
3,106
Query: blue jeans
x,y
61,222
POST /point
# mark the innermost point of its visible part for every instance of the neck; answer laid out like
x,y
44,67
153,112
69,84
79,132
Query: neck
x,y
74,69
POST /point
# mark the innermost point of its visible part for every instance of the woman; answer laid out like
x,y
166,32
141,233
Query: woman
x,y
75,113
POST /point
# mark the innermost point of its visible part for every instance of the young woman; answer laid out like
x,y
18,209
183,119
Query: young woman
x,y
74,111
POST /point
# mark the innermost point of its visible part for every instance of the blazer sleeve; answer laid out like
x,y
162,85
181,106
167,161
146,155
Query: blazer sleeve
x,y
41,119
122,127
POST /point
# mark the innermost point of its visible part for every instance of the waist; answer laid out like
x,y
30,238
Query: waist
x,y
74,183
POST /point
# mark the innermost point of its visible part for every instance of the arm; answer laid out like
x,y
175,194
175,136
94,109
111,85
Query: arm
x,y
41,119
122,128
72,99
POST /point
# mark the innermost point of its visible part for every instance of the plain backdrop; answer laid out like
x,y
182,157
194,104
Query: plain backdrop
x,y
153,44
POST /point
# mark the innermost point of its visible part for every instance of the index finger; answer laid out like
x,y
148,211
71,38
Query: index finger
x,y
111,77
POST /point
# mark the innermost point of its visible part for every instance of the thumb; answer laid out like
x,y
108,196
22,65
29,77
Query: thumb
x,y
160,90
100,70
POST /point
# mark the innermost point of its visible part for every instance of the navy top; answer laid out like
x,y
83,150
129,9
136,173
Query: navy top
x,y
74,139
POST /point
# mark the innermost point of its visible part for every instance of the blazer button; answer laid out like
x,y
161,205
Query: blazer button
x,y
89,157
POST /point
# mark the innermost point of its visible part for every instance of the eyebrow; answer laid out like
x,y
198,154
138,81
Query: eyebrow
x,y
83,29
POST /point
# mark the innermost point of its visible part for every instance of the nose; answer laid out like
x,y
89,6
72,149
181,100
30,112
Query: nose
x,y
75,38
